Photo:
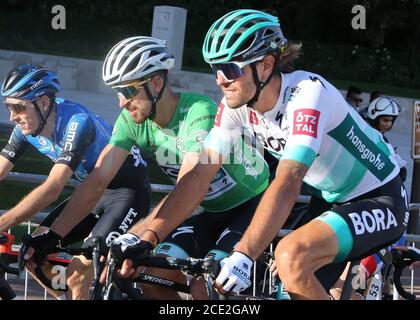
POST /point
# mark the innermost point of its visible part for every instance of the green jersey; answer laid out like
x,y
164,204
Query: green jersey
x,y
243,175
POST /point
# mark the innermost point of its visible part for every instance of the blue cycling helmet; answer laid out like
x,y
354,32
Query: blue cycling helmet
x,y
30,82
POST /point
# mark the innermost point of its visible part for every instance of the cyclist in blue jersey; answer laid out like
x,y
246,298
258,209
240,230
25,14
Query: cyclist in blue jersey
x,y
72,137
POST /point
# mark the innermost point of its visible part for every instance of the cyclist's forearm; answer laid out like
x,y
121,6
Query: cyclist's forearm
x,y
179,204
270,216
141,226
5,167
79,206
34,202
3,174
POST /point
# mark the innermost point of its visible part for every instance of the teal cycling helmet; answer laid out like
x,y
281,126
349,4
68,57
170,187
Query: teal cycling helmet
x,y
244,35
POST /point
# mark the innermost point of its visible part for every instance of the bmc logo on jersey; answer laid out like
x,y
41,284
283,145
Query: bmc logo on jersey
x,y
219,115
71,135
306,122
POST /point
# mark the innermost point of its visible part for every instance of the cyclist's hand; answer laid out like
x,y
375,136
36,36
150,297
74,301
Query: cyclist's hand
x,y
123,250
36,248
403,248
235,273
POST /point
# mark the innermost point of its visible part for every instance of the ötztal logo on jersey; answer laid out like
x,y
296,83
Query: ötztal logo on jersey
x,y
306,122
218,118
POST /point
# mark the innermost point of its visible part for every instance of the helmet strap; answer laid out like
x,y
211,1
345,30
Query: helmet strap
x,y
43,120
260,84
153,98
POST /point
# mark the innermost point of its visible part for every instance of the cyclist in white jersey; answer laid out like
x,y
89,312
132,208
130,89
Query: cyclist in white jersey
x,y
305,122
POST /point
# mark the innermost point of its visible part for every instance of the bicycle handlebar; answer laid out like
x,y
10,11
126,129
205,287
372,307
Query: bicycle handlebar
x,y
6,241
191,266
99,248
6,291
8,269
400,260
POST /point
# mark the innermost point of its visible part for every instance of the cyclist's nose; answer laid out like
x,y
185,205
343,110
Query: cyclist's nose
x,y
123,101
221,80
13,116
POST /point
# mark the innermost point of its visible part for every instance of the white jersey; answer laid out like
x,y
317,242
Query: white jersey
x,y
313,124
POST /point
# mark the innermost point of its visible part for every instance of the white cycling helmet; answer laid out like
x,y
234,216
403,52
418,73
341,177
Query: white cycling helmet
x,y
383,106
136,58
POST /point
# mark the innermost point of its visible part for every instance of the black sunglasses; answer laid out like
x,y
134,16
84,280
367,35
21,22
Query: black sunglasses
x,y
18,107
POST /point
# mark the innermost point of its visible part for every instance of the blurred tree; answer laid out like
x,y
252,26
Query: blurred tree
x,y
388,50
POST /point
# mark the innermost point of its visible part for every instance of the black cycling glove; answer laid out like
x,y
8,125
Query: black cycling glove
x,y
134,252
43,244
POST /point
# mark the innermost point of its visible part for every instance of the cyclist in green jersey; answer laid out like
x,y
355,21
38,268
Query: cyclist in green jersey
x,y
170,128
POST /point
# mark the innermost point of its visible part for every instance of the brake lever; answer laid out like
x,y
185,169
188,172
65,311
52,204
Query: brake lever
x,y
97,251
109,276
24,247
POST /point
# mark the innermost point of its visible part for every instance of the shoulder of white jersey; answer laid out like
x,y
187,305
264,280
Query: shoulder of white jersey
x,y
303,78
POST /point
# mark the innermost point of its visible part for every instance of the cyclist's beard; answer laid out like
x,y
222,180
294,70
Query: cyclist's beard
x,y
139,115
236,100
238,96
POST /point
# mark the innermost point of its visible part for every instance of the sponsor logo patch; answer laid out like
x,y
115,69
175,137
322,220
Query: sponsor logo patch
x,y
219,115
375,221
253,118
306,122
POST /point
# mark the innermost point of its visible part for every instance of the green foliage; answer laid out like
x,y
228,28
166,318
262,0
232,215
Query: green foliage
x,y
388,51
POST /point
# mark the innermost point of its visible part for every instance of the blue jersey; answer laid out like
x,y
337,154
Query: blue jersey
x,y
78,139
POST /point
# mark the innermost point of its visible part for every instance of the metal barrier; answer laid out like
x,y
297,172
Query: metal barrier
x,y
160,188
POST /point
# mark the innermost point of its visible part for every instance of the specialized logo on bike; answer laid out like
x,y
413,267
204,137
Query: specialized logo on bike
x,y
373,221
150,278
306,122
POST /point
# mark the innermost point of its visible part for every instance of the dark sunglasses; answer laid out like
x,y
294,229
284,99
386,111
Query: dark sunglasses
x,y
129,92
18,107
232,70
